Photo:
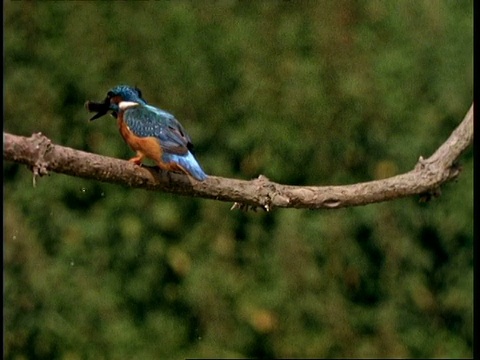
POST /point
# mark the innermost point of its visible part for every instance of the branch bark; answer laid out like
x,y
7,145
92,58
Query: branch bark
x,y
42,156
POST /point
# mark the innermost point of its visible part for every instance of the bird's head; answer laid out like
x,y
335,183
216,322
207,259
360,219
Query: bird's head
x,y
114,97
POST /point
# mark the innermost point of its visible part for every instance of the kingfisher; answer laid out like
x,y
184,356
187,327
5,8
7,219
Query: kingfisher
x,y
149,131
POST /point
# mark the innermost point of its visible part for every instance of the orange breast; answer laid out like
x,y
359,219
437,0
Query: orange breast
x,y
148,146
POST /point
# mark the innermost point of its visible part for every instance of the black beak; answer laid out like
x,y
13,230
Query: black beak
x,y
100,108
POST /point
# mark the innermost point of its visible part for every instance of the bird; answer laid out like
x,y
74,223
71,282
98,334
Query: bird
x,y
149,131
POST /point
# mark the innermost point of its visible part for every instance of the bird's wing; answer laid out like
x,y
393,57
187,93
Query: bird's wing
x,y
146,121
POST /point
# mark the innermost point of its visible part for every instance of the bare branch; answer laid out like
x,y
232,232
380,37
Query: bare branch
x,y
42,156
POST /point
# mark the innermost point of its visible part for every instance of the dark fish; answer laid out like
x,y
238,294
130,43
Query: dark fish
x,y
101,108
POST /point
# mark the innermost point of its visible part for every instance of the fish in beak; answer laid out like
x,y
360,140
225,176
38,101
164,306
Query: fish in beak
x,y
101,108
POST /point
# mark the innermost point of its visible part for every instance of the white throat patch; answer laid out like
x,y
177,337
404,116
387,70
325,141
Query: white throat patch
x,y
126,104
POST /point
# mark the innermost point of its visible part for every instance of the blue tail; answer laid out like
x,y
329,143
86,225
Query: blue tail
x,y
189,163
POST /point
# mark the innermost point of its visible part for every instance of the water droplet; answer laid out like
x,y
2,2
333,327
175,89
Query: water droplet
x,y
14,237
72,263
102,194
84,190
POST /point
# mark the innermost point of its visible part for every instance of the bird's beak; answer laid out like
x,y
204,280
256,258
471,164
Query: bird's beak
x,y
101,108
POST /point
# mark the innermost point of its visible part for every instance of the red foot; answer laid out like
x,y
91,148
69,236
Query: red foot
x,y
136,160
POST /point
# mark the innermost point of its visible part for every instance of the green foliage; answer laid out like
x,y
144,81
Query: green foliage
x,y
305,92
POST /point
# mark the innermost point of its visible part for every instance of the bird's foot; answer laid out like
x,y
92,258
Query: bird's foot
x,y
137,160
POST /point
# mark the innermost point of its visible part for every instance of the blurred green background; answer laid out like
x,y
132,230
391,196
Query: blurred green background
x,y
303,92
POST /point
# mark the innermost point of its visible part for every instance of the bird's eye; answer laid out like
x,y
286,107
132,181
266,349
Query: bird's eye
x,y
110,94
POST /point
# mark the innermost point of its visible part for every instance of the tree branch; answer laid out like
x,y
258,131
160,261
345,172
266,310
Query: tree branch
x,y
42,156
